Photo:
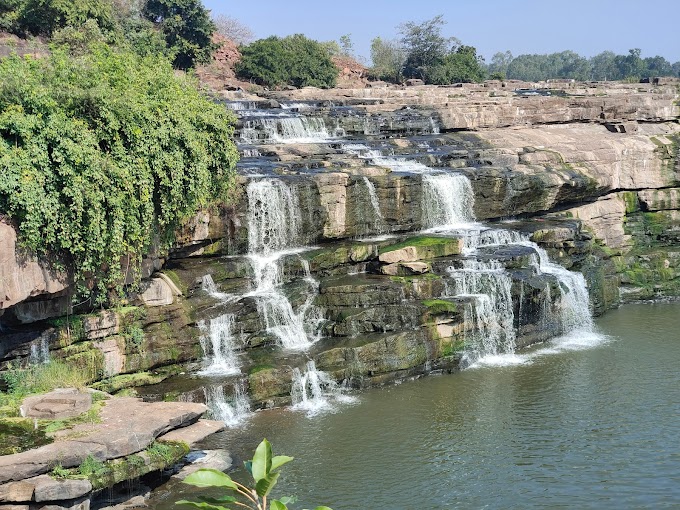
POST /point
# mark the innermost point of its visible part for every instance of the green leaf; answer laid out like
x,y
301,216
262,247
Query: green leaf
x,y
279,461
277,505
210,478
202,506
218,501
262,461
265,486
288,499
248,464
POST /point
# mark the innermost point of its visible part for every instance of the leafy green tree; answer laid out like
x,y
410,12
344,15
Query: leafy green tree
x,y
424,45
187,28
388,60
264,469
604,67
461,65
676,68
103,155
657,66
346,46
44,17
293,60
499,64
630,66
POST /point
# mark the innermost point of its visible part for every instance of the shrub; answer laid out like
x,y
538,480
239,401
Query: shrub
x,y
103,155
293,60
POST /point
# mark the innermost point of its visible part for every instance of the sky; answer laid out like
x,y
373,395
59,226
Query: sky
x,y
587,27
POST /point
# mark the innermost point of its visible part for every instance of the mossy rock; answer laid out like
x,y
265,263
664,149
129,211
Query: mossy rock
x,y
440,306
420,248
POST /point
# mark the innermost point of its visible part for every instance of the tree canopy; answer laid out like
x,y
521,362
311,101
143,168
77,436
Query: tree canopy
x,y
293,60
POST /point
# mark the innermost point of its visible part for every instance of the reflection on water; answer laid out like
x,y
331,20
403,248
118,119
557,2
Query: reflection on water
x,y
571,426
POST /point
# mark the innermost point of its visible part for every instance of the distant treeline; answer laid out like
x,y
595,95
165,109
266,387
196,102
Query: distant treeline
x,y
567,64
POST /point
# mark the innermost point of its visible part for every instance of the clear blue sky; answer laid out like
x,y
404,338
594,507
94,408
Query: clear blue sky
x,y
521,26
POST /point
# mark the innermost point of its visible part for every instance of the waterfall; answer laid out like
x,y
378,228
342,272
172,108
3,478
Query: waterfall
x,y
40,351
314,391
273,216
273,226
285,130
218,344
209,286
378,223
240,106
448,201
575,313
232,411
491,317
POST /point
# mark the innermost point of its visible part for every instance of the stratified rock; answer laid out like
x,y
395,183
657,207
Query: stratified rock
x,y
21,274
205,459
58,404
51,489
195,433
16,492
127,426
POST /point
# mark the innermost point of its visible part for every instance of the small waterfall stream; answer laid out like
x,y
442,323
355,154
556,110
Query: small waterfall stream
x,y
273,231
231,410
314,391
219,346
285,130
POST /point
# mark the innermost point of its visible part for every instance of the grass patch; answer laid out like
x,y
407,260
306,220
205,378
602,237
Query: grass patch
x,y
440,306
424,241
17,436
260,368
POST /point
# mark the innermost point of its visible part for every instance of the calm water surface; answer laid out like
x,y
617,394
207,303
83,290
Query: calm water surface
x,y
582,423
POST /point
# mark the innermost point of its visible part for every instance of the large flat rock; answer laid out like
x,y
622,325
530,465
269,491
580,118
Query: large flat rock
x,y
127,426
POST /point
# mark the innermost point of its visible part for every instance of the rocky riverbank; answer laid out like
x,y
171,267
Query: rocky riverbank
x,y
125,441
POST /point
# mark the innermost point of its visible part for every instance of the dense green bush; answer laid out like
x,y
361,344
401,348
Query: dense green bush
x,y
104,154
44,17
293,60
461,65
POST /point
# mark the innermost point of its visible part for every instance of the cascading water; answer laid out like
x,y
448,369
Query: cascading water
x,y
40,352
273,226
219,346
575,313
447,201
314,391
284,130
491,317
233,410
378,222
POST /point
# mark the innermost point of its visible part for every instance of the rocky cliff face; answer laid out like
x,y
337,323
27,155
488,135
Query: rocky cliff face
x,y
590,173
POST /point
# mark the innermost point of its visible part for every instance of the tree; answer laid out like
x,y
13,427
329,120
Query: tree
x,y
630,66
186,27
424,45
461,65
676,68
233,29
500,63
293,60
603,66
388,60
44,17
346,46
657,66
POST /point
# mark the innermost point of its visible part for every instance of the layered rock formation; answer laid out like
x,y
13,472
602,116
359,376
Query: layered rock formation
x,y
592,171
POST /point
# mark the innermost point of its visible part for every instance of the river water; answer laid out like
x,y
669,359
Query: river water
x,y
579,423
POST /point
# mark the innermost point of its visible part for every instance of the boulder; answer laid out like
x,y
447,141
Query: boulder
x,y
22,275
58,404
